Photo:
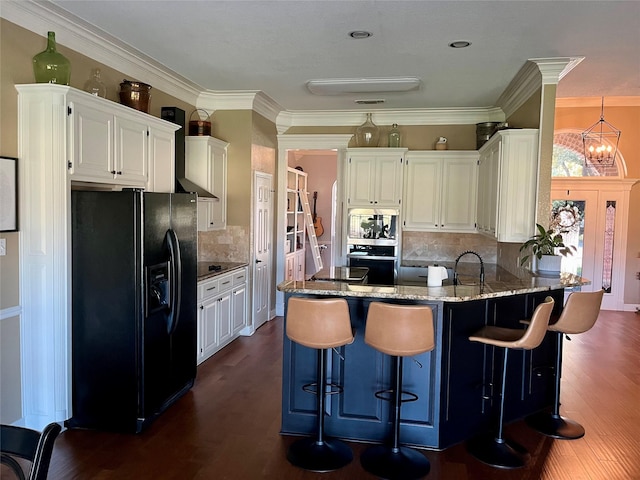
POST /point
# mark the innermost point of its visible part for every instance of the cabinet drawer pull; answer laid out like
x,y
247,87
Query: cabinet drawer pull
x,y
210,288
224,283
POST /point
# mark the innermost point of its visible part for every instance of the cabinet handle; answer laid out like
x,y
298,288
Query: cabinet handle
x,y
210,288
113,172
119,173
201,307
224,283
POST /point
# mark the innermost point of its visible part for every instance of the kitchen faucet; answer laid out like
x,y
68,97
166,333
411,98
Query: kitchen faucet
x,y
455,268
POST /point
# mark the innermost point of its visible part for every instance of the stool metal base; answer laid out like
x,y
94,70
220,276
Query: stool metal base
x,y
395,464
555,426
498,453
328,455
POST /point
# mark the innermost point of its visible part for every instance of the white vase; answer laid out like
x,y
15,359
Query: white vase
x,y
549,265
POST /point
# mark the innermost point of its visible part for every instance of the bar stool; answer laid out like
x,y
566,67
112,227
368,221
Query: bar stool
x,y
579,315
399,331
320,324
492,449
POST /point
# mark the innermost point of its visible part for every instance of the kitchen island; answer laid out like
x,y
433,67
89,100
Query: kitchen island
x,y
457,383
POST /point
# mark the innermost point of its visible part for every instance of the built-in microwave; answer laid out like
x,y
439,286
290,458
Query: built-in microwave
x,y
368,226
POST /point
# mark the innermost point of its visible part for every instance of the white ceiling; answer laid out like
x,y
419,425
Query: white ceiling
x,y
277,46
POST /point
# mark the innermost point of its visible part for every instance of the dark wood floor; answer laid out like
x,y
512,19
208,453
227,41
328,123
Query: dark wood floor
x,y
227,426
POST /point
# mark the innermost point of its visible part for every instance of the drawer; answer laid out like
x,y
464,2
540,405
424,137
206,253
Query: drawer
x,y
240,277
208,288
225,282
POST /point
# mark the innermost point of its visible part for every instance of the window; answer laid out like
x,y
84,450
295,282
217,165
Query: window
x,y
568,158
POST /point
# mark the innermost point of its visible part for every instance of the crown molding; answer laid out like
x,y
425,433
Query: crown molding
x,y
435,116
554,69
87,39
533,74
314,142
255,100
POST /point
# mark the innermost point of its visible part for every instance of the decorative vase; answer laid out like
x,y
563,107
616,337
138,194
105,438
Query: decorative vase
x,y
94,85
368,133
50,66
394,136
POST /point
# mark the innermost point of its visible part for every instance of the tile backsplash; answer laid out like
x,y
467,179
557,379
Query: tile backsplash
x,y
447,246
228,245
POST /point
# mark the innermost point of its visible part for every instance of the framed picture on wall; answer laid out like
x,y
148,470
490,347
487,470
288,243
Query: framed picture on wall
x,y
8,194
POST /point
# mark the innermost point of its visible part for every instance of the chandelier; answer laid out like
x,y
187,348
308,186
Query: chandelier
x,y
601,141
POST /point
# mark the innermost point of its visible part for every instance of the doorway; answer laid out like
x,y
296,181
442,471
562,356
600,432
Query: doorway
x,y
263,227
592,215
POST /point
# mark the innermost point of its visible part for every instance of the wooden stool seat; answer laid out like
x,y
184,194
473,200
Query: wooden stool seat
x,y
399,331
320,324
492,449
579,315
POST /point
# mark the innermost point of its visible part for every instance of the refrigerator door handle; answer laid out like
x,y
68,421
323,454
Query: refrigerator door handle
x,y
175,280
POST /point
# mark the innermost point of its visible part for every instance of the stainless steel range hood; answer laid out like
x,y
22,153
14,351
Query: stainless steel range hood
x,y
183,184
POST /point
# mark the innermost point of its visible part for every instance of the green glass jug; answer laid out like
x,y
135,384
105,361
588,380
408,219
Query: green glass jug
x,y
50,66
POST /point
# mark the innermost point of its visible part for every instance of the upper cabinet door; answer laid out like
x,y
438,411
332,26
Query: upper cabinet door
x,y
132,143
91,141
361,178
374,177
440,191
459,194
421,208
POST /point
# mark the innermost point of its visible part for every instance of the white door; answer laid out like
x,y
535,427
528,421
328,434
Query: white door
x,y
263,210
593,220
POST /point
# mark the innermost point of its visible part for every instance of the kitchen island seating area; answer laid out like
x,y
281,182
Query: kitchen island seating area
x,y
322,325
456,383
493,448
399,331
578,316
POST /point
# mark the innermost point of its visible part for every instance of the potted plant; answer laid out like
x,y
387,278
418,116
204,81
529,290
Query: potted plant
x,y
546,251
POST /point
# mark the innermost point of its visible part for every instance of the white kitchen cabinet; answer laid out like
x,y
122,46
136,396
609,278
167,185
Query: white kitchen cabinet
x,y
222,311
113,144
374,177
50,145
440,191
206,166
508,184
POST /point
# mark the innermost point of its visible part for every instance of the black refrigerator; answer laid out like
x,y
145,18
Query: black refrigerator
x,y
134,268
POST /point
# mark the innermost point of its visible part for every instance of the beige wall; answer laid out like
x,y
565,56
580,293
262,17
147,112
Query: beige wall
x,y
17,48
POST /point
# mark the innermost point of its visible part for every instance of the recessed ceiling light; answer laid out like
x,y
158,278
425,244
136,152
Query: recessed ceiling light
x,y
370,102
359,34
459,44
338,86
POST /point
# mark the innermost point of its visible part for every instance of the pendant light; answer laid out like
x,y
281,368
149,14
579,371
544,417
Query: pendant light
x,y
601,141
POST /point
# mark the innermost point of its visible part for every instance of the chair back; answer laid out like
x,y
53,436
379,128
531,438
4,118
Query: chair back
x,y
319,323
579,313
399,330
535,332
29,445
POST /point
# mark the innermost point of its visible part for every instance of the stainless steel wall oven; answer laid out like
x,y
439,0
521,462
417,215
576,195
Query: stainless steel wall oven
x,y
373,242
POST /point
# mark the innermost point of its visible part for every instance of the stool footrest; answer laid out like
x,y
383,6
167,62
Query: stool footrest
x,y
387,395
313,388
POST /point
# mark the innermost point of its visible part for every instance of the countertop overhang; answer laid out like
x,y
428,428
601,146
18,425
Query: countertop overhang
x,y
498,283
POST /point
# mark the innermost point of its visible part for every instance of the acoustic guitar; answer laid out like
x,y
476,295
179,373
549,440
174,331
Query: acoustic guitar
x,y
317,221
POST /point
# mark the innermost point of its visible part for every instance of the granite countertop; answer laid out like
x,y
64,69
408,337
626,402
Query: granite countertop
x,y
498,283
225,267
